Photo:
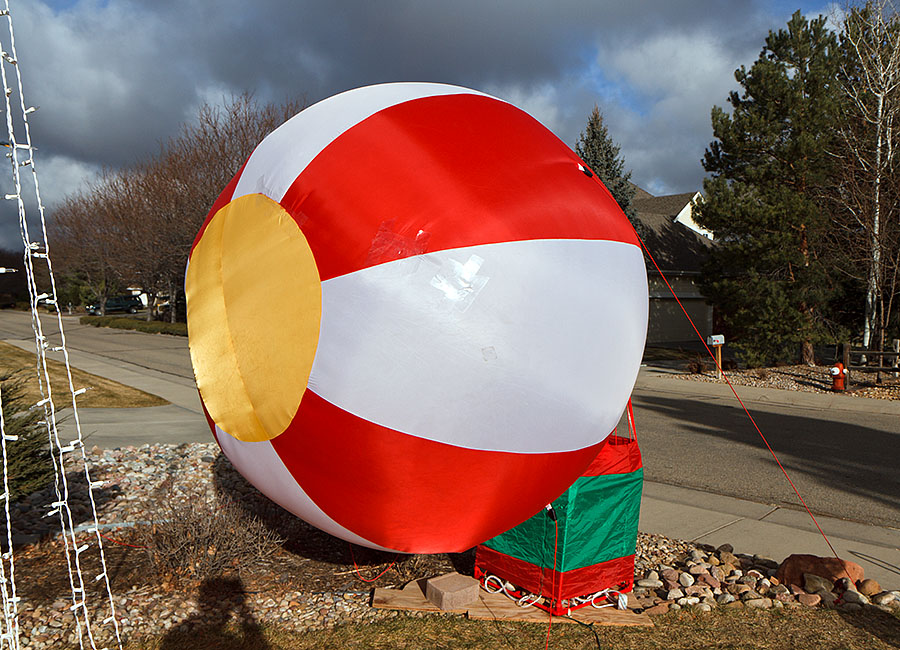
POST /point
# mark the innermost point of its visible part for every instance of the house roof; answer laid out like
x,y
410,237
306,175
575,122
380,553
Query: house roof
x,y
670,204
676,248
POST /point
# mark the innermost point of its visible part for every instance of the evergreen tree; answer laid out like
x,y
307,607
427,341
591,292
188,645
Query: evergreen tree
x,y
769,167
601,154
28,457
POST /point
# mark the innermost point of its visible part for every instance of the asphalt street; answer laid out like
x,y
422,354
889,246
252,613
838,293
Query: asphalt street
x,y
840,451
842,454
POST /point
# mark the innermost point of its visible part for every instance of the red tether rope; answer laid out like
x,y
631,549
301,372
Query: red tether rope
x,y
359,575
731,386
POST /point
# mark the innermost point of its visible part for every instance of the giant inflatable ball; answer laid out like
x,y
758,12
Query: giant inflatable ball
x,y
414,316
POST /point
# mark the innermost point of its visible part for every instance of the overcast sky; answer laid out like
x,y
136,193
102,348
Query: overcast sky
x,y
115,78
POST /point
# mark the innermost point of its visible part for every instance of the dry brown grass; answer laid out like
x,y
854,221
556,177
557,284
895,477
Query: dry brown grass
x,y
797,629
102,393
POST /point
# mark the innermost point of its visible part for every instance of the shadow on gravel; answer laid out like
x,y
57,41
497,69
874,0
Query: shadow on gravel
x,y
827,458
29,523
224,620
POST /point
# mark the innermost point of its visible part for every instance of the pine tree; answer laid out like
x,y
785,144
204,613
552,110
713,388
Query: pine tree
x,y
769,167
28,456
601,154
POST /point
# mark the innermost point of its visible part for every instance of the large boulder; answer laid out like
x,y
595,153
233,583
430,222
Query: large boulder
x,y
831,568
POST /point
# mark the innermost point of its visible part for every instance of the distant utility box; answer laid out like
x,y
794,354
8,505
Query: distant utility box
x,y
716,339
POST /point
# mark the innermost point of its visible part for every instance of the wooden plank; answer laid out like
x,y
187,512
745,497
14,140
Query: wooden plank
x,y
497,607
410,598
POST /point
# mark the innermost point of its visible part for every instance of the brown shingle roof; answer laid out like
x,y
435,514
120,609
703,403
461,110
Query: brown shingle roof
x,y
676,248
669,205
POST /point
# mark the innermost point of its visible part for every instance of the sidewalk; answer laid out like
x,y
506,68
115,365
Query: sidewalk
x,y
770,531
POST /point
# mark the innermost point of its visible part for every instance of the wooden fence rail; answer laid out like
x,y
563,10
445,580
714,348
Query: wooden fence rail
x,y
862,357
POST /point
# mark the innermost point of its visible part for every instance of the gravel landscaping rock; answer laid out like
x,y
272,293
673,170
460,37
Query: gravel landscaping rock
x,y
811,379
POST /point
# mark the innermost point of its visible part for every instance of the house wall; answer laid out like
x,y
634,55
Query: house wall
x,y
686,217
667,323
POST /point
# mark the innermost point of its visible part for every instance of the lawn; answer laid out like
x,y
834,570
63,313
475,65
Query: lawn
x,y
101,393
794,629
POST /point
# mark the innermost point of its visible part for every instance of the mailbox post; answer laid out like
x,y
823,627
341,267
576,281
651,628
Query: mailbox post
x,y
717,341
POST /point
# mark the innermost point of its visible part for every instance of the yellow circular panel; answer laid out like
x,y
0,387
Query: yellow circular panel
x,y
254,303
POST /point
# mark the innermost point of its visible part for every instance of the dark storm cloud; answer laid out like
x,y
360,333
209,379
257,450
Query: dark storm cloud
x,y
114,79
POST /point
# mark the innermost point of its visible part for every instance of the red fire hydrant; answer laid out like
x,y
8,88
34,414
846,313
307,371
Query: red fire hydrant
x,y
838,374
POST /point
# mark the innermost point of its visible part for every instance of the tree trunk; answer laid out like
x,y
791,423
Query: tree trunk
x,y
807,354
173,301
873,284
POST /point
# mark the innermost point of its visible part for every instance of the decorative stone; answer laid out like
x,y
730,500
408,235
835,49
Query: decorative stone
x,y
750,595
850,607
727,557
828,598
869,587
649,584
688,600
853,596
686,579
780,589
814,584
737,590
884,598
656,610
759,603
831,568
748,580
843,584
674,594
763,561
725,548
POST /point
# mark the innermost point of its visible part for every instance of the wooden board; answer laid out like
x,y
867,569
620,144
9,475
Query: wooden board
x,y
497,607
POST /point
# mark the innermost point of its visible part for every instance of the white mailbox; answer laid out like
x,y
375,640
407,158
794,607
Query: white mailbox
x,y
715,340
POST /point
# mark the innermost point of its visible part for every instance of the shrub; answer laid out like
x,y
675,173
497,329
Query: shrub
x,y
29,464
124,323
205,537
697,365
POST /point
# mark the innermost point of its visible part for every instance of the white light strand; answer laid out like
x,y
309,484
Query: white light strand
x,y
33,251
9,632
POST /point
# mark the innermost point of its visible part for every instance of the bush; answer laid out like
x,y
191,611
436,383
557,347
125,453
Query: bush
x,y
205,537
125,323
29,464
697,365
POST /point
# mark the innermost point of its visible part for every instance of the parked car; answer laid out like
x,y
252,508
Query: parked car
x,y
131,304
